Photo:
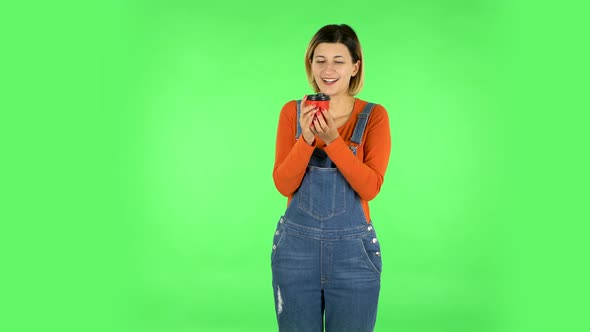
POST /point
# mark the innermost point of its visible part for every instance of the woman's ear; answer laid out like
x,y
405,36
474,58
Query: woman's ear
x,y
356,68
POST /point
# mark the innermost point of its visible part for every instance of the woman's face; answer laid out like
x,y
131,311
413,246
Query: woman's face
x,y
332,68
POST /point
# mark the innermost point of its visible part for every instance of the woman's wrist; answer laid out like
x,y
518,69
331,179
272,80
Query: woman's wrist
x,y
309,142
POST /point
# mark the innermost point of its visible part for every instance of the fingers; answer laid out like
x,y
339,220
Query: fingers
x,y
323,121
315,127
323,127
307,114
311,110
305,109
307,118
319,125
328,118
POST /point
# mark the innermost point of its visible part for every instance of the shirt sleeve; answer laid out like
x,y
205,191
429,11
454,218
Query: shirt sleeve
x,y
291,155
366,176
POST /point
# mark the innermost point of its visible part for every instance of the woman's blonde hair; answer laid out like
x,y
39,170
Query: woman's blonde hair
x,y
343,34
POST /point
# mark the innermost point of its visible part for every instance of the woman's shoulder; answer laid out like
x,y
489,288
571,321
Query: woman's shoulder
x,y
290,107
378,110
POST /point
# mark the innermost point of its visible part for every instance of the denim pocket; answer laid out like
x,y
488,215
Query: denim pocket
x,y
372,251
323,193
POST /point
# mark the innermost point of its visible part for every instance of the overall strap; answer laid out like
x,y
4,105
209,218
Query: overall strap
x,y
298,124
361,124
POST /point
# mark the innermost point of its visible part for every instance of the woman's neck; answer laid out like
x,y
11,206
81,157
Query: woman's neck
x,y
341,105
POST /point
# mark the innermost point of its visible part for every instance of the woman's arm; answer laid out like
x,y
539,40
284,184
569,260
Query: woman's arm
x,y
365,177
291,155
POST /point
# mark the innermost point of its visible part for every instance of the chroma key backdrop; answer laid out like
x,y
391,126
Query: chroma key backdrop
x,y
141,179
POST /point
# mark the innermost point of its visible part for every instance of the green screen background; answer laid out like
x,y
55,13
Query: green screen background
x,y
138,178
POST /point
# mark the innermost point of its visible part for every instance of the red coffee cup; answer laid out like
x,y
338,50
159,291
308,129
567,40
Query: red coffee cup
x,y
321,101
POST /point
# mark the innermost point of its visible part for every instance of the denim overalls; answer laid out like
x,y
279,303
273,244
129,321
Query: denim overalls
x,y
326,257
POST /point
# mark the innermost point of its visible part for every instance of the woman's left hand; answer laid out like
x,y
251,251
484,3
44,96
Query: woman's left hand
x,y
324,127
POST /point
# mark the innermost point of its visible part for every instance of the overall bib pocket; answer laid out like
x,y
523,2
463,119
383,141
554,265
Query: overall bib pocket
x,y
322,193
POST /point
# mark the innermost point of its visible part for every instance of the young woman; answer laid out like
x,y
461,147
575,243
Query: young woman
x,y
326,260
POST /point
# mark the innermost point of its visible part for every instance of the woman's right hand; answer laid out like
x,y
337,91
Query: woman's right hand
x,y
306,120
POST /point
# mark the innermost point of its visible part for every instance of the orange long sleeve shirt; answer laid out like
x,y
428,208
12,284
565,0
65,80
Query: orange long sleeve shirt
x,y
364,173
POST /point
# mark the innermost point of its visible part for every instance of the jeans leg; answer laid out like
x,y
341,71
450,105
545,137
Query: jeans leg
x,y
352,289
297,286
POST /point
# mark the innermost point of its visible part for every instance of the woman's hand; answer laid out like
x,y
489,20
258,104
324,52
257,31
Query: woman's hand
x,y
305,120
324,127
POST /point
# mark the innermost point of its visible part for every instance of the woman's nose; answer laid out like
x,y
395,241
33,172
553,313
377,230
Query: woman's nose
x,y
329,68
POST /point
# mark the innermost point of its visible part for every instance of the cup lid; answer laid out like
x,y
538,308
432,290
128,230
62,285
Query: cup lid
x,y
318,97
